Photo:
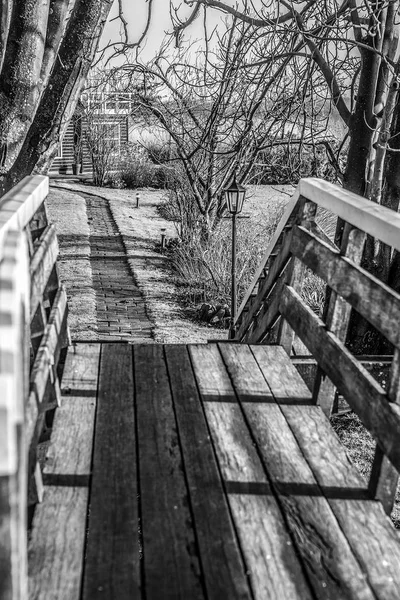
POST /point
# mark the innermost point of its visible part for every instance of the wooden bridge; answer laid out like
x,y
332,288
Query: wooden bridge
x,y
201,471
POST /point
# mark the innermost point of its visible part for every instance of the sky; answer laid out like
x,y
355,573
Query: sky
x,y
135,12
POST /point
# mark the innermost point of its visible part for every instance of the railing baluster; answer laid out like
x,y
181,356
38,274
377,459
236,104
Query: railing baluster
x,y
337,314
306,218
384,477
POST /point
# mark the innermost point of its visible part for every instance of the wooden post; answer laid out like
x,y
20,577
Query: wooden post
x,y
384,477
306,218
337,314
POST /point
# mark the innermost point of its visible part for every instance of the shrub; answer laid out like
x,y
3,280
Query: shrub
x,y
203,268
137,174
287,164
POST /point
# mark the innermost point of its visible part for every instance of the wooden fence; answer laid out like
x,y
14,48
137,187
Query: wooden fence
x,y
274,310
33,332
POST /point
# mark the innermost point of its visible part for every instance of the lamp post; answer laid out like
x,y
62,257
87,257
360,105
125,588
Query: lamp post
x,y
234,197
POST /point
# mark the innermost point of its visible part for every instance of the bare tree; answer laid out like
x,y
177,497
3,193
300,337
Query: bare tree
x,y
46,50
221,107
352,48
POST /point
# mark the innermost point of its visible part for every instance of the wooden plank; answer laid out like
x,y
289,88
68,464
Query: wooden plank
x,y
362,392
9,560
287,217
45,365
39,222
14,365
379,221
112,567
170,553
370,533
379,304
296,269
223,568
384,477
273,567
42,265
330,563
19,205
56,549
337,316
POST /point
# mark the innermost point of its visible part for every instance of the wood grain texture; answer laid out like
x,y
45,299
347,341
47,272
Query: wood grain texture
x,y
170,553
112,554
379,221
9,567
365,396
273,567
337,316
369,531
384,477
379,304
223,568
56,548
19,205
296,270
42,265
330,563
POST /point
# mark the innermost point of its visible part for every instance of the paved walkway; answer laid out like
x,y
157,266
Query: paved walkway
x,y
120,307
119,285
104,299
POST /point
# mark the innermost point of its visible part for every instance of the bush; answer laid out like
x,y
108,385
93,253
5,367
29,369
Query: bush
x,y
287,164
203,268
138,174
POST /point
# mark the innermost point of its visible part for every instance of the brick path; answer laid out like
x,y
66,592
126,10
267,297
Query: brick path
x,y
120,306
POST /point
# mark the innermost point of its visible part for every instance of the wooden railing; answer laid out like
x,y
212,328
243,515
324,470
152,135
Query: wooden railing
x,y
33,331
274,312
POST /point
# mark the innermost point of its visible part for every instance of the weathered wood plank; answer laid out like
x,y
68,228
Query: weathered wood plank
x,y
296,269
384,477
44,388
14,363
170,555
112,567
379,221
18,206
273,567
379,304
56,549
336,316
361,391
370,533
223,568
330,563
42,265
9,563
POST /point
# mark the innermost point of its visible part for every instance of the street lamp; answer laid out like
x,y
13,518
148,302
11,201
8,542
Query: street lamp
x,y
234,197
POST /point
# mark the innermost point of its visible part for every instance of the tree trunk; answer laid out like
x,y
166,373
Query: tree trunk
x,y
35,145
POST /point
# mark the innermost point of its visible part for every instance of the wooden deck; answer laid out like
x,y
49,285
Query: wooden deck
x,y
202,472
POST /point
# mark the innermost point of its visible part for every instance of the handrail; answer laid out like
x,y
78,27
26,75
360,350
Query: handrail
x,y
14,309
31,298
19,205
379,221
277,312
